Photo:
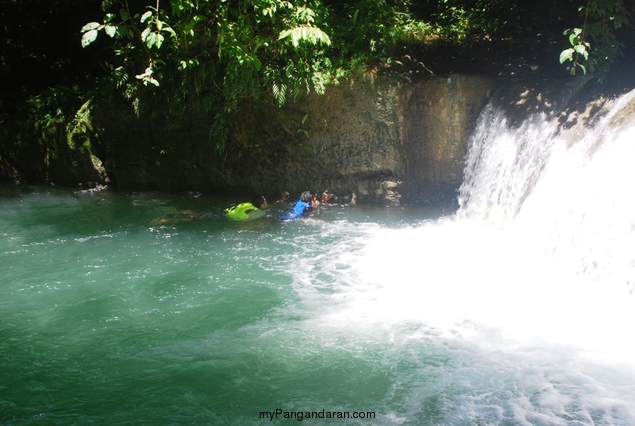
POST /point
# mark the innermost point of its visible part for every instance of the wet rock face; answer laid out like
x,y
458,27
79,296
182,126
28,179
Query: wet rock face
x,y
438,117
351,145
386,142
382,141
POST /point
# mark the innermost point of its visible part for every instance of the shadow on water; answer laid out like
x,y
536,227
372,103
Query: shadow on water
x,y
60,211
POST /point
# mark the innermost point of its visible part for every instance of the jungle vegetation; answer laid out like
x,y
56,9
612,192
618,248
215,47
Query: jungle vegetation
x,y
57,56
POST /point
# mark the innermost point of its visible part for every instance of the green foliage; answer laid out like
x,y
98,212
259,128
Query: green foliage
x,y
602,21
305,34
56,107
62,127
214,53
234,41
148,31
467,21
218,133
305,132
578,48
367,31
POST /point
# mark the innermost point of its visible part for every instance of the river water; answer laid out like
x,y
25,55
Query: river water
x,y
516,310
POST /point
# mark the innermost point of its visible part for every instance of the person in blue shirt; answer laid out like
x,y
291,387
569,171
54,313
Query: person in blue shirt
x,y
307,203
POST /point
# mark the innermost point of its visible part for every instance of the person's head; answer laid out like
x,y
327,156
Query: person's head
x,y
306,196
259,201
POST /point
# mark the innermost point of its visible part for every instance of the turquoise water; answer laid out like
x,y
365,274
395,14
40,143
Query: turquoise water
x,y
106,319
378,313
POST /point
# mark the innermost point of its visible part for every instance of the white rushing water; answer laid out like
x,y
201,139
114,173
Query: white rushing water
x,y
527,292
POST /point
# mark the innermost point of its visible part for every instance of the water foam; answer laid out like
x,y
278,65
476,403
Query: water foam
x,y
526,292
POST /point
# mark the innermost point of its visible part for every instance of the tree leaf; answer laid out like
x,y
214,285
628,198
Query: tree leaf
x,y
158,40
151,40
313,35
146,16
573,39
90,26
89,37
284,34
256,62
566,55
111,30
145,34
279,93
123,13
581,49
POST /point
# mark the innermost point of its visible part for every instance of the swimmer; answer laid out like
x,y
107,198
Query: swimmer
x,y
252,210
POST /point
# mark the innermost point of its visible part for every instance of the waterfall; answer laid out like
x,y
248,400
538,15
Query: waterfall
x,y
566,192
503,164
542,248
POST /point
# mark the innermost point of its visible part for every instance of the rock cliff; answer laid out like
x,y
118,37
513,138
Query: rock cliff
x,y
384,140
